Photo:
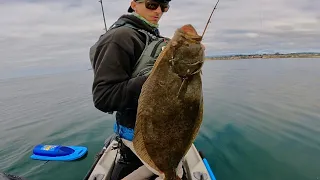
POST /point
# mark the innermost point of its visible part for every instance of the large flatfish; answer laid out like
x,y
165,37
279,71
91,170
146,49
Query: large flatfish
x,y
170,105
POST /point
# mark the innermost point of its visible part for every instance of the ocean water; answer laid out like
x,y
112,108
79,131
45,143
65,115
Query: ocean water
x,y
261,120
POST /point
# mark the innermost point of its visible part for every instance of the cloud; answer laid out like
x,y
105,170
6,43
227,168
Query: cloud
x,y
56,33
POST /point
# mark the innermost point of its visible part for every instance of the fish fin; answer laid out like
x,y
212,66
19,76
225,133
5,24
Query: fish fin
x,y
171,176
141,150
200,117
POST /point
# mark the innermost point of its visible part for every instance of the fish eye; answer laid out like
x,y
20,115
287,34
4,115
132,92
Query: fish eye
x,y
187,44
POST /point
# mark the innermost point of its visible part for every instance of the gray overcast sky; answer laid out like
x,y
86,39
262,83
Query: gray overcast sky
x,y
58,33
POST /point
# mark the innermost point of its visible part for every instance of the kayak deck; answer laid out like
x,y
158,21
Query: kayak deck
x,y
193,164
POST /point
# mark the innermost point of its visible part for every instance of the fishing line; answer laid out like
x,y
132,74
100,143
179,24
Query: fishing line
x,y
260,32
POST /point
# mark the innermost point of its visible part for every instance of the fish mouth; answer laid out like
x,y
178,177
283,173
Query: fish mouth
x,y
190,32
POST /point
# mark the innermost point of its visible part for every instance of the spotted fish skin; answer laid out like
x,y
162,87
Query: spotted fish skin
x,y
170,108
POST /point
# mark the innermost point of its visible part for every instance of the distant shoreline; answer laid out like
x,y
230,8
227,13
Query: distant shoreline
x,y
266,56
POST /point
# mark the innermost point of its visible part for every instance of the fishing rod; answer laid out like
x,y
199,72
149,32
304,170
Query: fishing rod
x,y
104,19
215,7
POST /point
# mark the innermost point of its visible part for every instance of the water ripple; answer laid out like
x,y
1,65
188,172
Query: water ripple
x,y
261,120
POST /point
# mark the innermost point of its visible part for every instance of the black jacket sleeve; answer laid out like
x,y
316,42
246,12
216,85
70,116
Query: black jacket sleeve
x,y
113,89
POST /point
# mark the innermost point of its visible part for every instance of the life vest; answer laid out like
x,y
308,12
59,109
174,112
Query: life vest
x,y
153,47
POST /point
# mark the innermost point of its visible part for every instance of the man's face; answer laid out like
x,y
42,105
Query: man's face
x,y
149,9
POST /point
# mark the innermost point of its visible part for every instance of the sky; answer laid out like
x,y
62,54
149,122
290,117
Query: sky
x,y
45,34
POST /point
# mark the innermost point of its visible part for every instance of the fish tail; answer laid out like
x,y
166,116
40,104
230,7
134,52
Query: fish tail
x,y
171,176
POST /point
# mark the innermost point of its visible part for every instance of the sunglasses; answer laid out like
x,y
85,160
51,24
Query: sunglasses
x,y
153,5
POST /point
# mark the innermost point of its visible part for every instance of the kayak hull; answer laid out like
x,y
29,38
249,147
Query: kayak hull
x,y
194,165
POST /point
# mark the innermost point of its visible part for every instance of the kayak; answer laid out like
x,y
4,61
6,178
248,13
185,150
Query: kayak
x,y
5,176
195,165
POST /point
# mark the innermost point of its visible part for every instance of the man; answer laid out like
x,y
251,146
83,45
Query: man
x,y
113,59
5,176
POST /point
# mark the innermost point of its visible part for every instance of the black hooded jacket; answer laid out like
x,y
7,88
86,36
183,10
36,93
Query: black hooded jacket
x,y
113,58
